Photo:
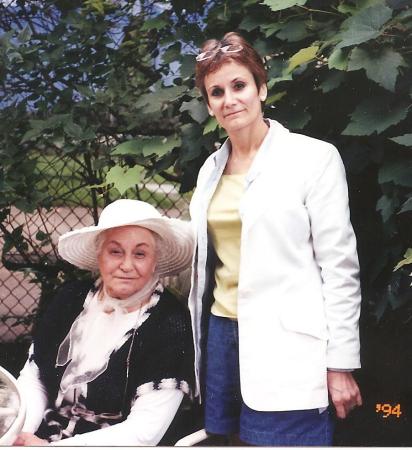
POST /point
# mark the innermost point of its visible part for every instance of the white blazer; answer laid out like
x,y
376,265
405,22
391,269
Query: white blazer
x,y
298,293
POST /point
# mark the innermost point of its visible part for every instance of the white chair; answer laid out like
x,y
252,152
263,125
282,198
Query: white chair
x,y
12,414
192,439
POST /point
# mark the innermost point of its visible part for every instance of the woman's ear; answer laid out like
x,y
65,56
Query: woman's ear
x,y
263,92
210,111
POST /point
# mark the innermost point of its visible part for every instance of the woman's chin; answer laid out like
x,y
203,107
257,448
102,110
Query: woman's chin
x,y
122,293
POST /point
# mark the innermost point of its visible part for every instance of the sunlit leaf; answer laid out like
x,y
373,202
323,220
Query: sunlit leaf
x,y
211,125
97,5
133,147
124,179
275,98
278,5
303,56
285,77
160,145
407,259
346,9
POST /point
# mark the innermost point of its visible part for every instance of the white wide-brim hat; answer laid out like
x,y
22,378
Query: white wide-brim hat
x,y
79,248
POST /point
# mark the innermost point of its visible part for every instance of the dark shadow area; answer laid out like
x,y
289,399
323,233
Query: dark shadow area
x,y
385,419
13,355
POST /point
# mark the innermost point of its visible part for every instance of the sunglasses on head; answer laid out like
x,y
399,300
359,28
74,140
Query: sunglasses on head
x,y
232,48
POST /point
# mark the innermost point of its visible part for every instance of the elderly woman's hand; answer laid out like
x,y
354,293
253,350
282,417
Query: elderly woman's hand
x,y
27,439
344,392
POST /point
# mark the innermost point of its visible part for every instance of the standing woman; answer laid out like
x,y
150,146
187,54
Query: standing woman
x,y
275,296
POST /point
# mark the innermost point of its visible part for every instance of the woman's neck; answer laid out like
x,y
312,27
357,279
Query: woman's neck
x,y
244,146
132,303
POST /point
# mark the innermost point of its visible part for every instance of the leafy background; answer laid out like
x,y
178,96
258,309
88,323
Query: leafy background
x,y
109,85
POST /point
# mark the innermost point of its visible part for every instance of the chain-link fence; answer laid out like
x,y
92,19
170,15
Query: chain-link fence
x,y
71,206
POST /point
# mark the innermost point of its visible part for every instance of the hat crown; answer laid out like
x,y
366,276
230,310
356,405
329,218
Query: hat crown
x,y
126,211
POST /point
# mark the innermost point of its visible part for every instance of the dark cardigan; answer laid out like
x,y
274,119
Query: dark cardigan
x,y
162,349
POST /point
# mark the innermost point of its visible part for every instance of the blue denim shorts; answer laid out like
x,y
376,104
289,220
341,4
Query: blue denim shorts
x,y
227,414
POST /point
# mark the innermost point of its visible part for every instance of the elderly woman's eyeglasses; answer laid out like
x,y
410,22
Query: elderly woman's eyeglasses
x,y
233,48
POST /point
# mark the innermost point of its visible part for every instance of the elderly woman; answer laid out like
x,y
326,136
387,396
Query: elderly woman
x,y
111,362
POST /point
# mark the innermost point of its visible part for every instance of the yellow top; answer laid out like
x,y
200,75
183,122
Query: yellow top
x,y
224,226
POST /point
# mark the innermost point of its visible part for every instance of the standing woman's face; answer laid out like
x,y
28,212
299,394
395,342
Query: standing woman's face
x,y
233,97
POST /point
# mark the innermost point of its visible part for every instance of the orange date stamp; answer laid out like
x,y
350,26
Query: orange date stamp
x,y
387,410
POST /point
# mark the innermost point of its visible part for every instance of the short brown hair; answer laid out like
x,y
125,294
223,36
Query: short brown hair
x,y
248,57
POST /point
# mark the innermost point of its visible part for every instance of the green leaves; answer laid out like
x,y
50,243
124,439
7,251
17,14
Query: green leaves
x,y
338,60
40,128
387,206
278,5
196,109
303,56
405,140
86,88
124,178
407,259
376,115
153,102
132,147
365,25
25,34
397,172
210,126
382,67
407,206
159,145
155,22
147,146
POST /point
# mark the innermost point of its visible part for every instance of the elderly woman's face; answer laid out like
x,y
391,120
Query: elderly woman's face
x,y
127,260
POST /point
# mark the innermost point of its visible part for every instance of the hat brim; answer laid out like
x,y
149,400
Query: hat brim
x,y
78,247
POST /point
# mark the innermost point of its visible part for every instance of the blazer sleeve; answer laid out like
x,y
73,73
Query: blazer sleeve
x,y
334,245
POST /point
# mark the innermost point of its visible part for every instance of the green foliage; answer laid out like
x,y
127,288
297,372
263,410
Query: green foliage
x,y
407,259
114,90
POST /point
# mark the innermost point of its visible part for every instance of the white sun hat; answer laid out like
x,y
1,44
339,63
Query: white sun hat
x,y
78,247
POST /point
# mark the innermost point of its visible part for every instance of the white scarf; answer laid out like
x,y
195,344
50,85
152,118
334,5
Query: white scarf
x,y
99,330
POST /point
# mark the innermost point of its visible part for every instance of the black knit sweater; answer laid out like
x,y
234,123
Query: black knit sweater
x,y
162,350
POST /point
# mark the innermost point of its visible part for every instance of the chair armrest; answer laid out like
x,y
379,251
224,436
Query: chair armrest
x,y
192,439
